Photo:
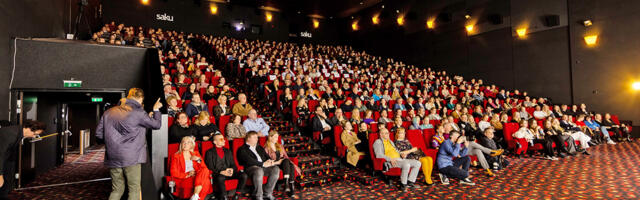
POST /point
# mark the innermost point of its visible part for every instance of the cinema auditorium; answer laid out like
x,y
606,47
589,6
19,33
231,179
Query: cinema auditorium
x,y
319,99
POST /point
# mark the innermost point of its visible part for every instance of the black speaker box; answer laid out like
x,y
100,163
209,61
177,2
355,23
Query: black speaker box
x,y
495,19
551,20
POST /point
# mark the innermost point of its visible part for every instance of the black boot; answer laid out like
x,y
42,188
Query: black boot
x,y
288,187
292,188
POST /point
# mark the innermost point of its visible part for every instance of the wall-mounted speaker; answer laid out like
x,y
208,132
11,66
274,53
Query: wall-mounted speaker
x,y
444,17
495,19
551,20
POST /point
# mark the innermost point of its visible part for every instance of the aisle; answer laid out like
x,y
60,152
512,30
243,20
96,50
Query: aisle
x,y
87,171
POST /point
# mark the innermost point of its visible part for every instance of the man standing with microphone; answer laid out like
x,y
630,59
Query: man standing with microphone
x,y
123,130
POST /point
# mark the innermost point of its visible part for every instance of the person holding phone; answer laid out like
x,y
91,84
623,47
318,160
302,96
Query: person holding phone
x,y
220,162
452,159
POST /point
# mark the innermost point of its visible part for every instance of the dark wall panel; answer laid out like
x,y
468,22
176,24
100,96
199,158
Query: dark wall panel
x,y
24,18
44,64
190,17
603,74
541,65
490,57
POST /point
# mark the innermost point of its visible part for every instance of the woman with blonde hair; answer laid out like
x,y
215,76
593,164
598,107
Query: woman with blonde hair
x,y
276,152
187,163
350,139
204,128
355,116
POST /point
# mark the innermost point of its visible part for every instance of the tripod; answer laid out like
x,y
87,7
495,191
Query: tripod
x,y
79,18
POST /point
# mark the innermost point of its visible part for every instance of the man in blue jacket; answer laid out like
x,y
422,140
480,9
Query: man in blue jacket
x,y
123,130
448,167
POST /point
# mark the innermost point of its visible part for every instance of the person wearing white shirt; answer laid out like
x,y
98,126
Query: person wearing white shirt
x,y
484,123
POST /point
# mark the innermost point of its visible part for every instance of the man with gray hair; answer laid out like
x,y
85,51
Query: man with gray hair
x,y
384,148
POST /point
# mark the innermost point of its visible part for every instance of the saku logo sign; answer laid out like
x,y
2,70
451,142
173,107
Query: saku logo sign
x,y
164,17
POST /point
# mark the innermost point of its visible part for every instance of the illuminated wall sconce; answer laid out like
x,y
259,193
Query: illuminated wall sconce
x,y
269,17
213,8
354,25
400,20
375,19
591,39
636,85
316,23
522,32
587,23
469,28
145,2
430,24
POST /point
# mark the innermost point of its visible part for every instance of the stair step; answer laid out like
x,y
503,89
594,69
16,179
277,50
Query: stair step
x,y
360,177
321,180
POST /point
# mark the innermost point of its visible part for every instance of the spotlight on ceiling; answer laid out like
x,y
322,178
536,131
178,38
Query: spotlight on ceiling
x,y
467,16
587,23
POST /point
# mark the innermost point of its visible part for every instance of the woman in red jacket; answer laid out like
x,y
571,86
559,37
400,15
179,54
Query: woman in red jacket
x,y
187,165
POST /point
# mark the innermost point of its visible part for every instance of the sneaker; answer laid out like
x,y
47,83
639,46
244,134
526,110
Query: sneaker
x,y
554,158
548,157
466,181
496,165
443,179
611,142
413,185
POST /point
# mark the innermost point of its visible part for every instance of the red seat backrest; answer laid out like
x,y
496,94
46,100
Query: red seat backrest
x,y
416,139
224,120
171,120
509,129
615,119
406,124
312,105
428,136
237,143
232,102
374,127
372,138
337,137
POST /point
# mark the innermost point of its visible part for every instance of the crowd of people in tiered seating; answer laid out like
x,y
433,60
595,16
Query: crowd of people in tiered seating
x,y
342,97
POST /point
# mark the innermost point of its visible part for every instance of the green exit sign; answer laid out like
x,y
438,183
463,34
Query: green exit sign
x,y
96,99
72,83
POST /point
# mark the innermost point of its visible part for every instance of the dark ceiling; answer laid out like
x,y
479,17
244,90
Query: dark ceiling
x,y
325,8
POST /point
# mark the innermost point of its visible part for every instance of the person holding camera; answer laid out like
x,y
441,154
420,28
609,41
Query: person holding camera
x,y
10,137
452,159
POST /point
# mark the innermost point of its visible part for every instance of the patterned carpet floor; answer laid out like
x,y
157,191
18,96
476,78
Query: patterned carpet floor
x,y
611,172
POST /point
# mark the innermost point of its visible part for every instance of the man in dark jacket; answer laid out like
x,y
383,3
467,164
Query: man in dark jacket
x,y
220,162
123,130
321,124
257,164
10,138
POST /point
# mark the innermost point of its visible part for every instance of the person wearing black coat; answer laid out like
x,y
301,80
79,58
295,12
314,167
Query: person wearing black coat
x,y
318,125
206,131
10,137
219,161
257,164
180,128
